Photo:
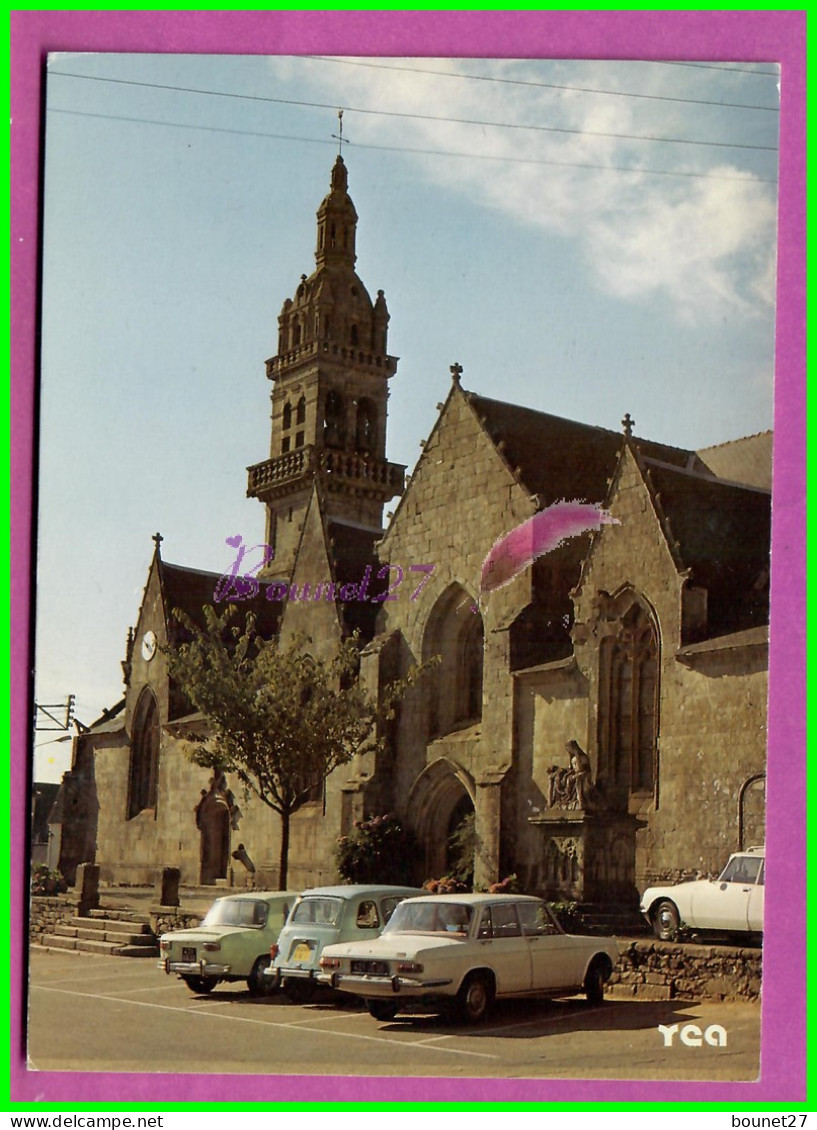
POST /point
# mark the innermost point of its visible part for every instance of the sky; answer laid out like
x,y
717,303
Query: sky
x,y
584,238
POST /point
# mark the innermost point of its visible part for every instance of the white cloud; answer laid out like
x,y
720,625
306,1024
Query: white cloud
x,y
703,241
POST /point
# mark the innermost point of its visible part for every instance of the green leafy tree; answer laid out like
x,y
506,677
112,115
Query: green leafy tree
x,y
279,720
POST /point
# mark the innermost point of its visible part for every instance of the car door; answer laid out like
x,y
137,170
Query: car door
x,y
504,948
756,899
724,904
557,961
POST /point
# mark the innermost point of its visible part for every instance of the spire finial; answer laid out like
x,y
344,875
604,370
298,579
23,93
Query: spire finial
x,y
341,140
456,372
627,424
157,541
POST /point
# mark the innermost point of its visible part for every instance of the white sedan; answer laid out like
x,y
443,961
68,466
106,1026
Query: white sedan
x,y
459,953
732,903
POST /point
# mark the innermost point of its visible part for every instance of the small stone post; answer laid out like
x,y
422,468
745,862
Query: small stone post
x,y
167,891
88,886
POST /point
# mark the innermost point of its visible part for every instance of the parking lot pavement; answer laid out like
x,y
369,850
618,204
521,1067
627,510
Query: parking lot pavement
x,y
89,1013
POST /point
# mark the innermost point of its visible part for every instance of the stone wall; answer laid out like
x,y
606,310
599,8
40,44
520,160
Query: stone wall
x,y
163,919
656,970
46,911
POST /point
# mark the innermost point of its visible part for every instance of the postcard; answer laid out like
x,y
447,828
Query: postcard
x,y
416,583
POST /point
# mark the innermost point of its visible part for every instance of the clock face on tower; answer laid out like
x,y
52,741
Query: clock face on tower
x,y
148,645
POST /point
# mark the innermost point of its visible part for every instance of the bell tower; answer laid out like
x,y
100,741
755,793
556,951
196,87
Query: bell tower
x,y
329,396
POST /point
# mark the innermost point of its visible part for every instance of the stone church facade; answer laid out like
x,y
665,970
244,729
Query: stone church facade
x,y
602,716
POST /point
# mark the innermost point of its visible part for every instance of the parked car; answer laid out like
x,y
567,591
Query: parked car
x,y
321,917
732,903
459,953
231,944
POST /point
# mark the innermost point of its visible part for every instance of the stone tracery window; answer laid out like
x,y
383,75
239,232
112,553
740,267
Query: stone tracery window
x,y
456,634
144,757
628,706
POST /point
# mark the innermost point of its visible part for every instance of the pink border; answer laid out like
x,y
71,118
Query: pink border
x,y
738,35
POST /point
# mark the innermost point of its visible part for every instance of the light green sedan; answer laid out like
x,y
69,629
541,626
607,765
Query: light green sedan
x,y
231,944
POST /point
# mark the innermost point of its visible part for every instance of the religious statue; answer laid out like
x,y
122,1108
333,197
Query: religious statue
x,y
572,786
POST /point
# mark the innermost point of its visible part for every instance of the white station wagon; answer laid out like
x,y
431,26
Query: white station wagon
x,y
732,903
459,953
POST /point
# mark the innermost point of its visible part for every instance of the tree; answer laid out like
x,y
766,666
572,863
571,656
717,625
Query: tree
x,y
280,720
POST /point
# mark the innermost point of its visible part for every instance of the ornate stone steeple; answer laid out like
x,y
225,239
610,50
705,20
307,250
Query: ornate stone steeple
x,y
329,394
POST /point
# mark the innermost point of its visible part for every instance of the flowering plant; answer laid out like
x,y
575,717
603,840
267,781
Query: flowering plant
x,y
447,885
378,850
507,886
47,882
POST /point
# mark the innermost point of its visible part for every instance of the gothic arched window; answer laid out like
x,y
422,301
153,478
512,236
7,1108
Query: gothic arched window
x,y
629,703
334,432
144,755
365,430
300,411
455,632
286,419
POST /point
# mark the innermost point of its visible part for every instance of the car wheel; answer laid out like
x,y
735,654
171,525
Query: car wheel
x,y
298,991
257,983
474,998
665,921
382,1010
200,984
594,983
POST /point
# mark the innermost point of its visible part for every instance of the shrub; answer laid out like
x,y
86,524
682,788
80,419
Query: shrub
x,y
44,881
567,915
379,850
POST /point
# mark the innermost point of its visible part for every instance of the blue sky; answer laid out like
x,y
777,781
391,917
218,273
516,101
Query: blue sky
x,y
602,242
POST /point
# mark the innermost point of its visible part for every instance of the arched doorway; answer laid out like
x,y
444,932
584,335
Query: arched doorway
x,y
440,810
214,816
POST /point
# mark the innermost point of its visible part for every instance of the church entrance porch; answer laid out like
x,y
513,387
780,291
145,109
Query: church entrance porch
x,y
441,814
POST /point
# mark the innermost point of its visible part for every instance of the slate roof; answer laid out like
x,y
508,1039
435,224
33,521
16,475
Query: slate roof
x,y
536,443
190,589
747,460
721,532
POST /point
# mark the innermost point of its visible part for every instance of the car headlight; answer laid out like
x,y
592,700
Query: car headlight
x,y
409,967
330,963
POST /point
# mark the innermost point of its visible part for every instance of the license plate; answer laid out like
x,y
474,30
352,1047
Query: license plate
x,y
188,954
378,968
302,952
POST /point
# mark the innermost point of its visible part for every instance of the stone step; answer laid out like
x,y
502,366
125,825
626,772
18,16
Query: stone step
x,y
126,925
87,945
113,915
121,937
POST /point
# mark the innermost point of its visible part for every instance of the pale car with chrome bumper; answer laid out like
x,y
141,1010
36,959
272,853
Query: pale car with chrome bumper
x,y
231,944
730,904
321,917
460,953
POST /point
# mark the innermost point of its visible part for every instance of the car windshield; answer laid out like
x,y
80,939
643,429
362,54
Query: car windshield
x,y
431,918
318,911
741,869
237,912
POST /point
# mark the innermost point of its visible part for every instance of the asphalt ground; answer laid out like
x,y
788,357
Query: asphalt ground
x,y
99,1013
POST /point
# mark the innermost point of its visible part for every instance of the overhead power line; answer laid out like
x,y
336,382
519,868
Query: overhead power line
x,y
409,149
546,85
419,117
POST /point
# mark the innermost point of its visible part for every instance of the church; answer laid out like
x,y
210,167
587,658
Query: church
x,y
601,718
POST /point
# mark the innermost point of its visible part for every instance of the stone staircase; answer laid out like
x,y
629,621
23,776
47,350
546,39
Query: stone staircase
x,y
120,933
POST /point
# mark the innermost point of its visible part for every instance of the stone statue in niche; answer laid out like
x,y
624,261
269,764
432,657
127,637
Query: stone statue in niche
x,y
571,786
